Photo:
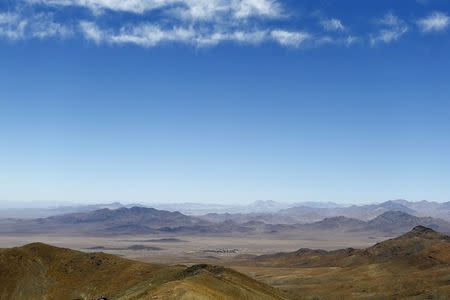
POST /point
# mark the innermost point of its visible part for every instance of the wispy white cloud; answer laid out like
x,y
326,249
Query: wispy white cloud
x,y
92,32
332,24
195,22
189,9
290,38
43,26
436,21
350,40
132,6
390,19
244,37
14,26
202,10
248,8
148,35
392,28
8,18
145,35
199,23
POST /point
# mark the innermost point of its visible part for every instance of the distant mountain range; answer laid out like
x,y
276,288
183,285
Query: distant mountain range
x,y
123,220
312,213
390,222
141,220
260,206
266,211
40,212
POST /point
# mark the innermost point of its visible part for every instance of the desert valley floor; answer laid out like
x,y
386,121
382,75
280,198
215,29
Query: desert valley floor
x,y
194,249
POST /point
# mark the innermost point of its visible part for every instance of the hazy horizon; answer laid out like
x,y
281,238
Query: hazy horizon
x,y
55,204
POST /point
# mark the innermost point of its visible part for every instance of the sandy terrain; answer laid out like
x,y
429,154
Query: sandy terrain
x,y
191,249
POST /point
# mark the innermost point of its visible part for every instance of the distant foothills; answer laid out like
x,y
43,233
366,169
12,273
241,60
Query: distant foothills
x,y
262,217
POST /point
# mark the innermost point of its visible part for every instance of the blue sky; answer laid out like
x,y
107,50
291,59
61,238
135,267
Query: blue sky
x,y
225,101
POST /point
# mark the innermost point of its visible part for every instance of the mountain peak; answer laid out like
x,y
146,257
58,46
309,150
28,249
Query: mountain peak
x,y
422,229
425,233
394,214
37,246
265,202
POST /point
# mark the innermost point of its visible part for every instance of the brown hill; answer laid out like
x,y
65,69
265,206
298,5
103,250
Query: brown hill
x,y
421,246
39,271
415,265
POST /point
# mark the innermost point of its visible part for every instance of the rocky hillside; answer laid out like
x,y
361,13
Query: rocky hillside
x,y
421,246
39,271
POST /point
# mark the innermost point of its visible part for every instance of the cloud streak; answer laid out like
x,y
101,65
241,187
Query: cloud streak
x,y
392,28
189,9
332,25
148,35
199,23
14,26
436,21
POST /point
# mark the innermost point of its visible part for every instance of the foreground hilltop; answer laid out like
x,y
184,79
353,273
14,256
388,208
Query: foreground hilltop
x,y
40,271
